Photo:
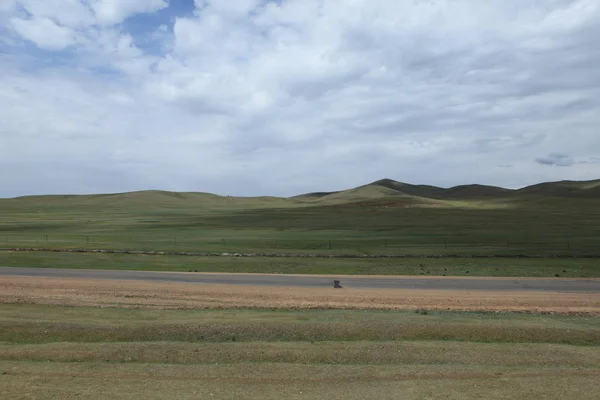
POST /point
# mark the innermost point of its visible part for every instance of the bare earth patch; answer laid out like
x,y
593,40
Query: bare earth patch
x,y
122,293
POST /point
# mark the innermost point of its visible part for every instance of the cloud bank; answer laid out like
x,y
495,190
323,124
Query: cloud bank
x,y
255,97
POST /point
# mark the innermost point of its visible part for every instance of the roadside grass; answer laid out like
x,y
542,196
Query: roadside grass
x,y
328,352
55,380
499,267
55,352
46,324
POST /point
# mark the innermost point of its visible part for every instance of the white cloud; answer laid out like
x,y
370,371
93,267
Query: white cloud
x,y
70,13
284,97
84,13
44,32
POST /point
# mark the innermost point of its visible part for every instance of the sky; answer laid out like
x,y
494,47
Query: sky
x,y
282,97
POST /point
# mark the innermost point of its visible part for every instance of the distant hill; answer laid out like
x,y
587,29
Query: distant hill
x,y
388,189
146,199
434,192
584,189
381,193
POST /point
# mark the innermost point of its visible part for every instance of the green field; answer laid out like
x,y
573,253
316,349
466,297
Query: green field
x,y
565,268
65,352
385,217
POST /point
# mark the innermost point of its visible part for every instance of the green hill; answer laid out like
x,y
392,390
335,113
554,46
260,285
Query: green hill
x,y
581,189
148,199
381,189
388,189
381,193
383,216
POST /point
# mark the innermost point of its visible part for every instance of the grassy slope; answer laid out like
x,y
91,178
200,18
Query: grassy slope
x,y
376,218
65,352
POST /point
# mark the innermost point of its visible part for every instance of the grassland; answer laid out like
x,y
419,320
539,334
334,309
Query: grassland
x,y
62,339
38,324
565,268
290,381
374,219
78,352
370,220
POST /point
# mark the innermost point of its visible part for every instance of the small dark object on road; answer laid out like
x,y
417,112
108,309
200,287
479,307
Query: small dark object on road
x,y
336,285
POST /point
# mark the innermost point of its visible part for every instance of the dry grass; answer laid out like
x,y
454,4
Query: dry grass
x,y
107,293
32,332
21,324
338,353
26,380
141,340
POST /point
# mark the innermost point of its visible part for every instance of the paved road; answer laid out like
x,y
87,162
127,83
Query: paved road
x,y
461,283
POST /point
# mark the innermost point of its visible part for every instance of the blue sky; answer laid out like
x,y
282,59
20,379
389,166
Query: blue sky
x,y
143,26
253,97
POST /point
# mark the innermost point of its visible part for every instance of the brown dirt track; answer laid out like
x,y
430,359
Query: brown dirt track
x,y
120,293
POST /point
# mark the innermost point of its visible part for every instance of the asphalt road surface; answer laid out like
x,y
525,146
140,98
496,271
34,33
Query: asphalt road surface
x,y
392,282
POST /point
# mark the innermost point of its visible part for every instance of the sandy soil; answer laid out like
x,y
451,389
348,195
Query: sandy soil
x,y
113,293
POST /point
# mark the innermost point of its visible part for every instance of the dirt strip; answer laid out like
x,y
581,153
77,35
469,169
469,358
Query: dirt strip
x,y
134,294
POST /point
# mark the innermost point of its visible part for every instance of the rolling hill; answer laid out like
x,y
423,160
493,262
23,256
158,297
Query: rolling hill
x,y
584,189
388,189
381,192
547,218
147,199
